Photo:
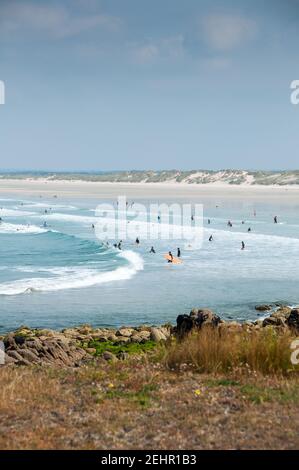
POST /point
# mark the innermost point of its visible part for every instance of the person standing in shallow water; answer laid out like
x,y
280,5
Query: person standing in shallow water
x,y
211,238
275,219
179,253
243,246
170,256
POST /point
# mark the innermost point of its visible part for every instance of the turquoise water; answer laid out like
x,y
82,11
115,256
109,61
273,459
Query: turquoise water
x,y
61,275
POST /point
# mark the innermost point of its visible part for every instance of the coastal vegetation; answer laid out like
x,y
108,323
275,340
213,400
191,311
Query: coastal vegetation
x,y
202,384
226,176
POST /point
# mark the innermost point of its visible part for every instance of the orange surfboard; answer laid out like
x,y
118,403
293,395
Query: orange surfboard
x,y
174,259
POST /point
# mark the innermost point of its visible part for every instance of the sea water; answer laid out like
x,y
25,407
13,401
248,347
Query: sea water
x,y
61,275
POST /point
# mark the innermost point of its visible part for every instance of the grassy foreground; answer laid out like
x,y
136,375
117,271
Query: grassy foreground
x,y
209,391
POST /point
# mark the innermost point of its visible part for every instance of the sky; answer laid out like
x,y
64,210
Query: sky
x,y
161,84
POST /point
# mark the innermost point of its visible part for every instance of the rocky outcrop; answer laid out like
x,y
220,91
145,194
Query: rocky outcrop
x,y
26,346
284,317
73,346
197,319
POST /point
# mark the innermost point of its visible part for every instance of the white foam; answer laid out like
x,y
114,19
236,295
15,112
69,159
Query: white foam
x,y
74,278
17,228
49,205
81,219
14,213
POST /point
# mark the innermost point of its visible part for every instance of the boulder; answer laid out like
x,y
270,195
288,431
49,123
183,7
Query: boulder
x,y
140,336
293,320
278,318
157,335
196,320
122,339
263,308
9,341
19,339
109,356
125,332
284,310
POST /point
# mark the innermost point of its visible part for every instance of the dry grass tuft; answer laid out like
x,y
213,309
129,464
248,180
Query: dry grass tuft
x,y
212,350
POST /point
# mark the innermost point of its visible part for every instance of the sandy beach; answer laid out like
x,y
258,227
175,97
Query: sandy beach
x,y
84,189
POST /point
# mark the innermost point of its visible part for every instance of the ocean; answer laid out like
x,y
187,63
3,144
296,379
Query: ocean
x,y
55,273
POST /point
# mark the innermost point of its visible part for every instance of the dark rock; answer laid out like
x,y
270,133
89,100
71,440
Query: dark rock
x,y
263,308
293,319
9,341
19,339
196,320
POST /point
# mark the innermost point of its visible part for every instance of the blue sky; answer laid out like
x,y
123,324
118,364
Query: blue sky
x,y
136,84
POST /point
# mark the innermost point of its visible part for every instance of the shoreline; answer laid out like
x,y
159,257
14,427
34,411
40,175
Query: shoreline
x,y
93,189
70,346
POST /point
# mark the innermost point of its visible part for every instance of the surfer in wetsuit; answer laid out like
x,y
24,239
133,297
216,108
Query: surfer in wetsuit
x,y
179,253
137,241
119,245
211,238
152,250
275,220
249,229
243,246
170,260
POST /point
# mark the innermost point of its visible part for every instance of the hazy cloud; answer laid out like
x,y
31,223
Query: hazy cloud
x,y
54,21
163,48
226,32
